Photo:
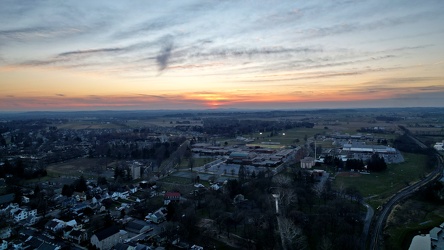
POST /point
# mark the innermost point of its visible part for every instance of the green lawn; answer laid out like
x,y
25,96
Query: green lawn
x,y
198,162
385,184
176,180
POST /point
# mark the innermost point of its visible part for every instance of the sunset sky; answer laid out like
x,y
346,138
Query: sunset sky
x,y
150,55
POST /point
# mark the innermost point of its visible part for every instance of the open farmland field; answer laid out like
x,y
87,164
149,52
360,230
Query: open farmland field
x,y
89,124
162,122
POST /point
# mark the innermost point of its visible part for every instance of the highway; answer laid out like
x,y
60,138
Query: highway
x,y
379,225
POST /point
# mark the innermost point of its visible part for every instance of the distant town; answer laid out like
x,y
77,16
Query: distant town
x,y
307,179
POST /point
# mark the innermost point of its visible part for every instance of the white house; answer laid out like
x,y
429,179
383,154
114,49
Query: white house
x,y
4,245
55,225
72,223
19,214
25,199
32,212
121,195
307,162
31,220
108,238
133,189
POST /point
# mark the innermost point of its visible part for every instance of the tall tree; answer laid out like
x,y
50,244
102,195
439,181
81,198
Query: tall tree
x,y
376,163
67,190
80,184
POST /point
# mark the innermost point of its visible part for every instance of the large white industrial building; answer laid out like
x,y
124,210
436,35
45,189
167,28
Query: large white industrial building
x,y
362,148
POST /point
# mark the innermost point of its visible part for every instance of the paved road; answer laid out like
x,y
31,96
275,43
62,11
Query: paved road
x,y
367,222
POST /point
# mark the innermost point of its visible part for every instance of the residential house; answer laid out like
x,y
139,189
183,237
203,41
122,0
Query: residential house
x,y
171,196
215,187
39,244
6,199
95,199
25,199
138,227
4,245
123,246
31,220
133,189
7,210
66,231
68,202
79,196
122,195
77,208
72,223
77,236
32,212
156,217
19,214
55,225
5,233
108,238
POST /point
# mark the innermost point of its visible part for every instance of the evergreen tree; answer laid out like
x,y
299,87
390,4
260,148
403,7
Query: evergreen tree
x,y
67,190
242,174
108,220
80,185
376,163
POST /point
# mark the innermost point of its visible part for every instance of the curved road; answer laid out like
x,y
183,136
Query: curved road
x,y
404,193
367,222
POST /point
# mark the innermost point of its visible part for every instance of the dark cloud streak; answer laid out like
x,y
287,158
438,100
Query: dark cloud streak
x,y
90,52
164,55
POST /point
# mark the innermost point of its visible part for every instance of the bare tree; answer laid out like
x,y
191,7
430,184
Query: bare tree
x,y
292,236
282,180
325,244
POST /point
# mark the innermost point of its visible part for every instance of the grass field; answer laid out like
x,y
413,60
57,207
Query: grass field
x,y
81,166
287,137
198,162
382,185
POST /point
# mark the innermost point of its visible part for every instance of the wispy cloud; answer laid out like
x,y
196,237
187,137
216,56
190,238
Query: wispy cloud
x,y
354,46
356,26
37,33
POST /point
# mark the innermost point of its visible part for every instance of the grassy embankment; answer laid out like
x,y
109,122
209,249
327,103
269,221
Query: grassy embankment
x,y
414,216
